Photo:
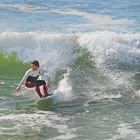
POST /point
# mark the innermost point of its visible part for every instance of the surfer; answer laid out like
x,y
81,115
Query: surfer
x,y
30,80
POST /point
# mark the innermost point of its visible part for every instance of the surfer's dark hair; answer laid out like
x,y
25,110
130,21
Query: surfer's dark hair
x,y
36,63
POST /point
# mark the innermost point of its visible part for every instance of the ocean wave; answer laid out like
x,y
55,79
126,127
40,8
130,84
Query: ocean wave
x,y
103,45
103,59
96,21
52,50
107,49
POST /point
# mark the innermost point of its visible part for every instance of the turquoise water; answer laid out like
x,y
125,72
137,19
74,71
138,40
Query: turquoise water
x,y
91,51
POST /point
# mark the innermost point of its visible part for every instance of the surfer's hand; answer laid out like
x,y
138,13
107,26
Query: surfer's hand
x,y
18,88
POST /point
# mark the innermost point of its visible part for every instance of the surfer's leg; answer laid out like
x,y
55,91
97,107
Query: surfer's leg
x,y
45,88
38,84
38,91
31,85
43,83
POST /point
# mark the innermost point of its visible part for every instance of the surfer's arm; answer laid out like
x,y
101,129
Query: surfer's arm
x,y
23,80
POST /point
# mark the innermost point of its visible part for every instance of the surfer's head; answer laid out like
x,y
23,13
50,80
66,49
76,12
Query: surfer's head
x,y
35,65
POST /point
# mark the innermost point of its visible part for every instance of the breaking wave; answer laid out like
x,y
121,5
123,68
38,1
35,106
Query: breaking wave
x,y
100,63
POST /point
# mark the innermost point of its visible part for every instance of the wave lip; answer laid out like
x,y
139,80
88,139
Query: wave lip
x,y
54,51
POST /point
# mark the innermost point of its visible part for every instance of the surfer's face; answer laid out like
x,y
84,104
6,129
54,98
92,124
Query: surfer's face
x,y
34,67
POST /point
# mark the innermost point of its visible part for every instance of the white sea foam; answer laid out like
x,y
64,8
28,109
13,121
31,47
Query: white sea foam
x,y
2,98
97,20
105,45
2,83
125,131
64,89
109,50
107,96
23,7
35,123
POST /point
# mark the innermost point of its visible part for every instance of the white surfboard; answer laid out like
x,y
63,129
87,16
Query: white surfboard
x,y
48,97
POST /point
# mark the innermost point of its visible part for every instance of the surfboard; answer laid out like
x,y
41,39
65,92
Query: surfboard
x,y
48,97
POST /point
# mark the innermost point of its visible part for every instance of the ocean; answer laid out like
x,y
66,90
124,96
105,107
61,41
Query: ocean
x,y
90,51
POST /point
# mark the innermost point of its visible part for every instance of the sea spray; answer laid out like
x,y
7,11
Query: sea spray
x,y
64,89
54,51
115,54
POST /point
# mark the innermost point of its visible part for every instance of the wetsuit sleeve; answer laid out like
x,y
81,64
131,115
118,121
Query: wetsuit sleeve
x,y
24,78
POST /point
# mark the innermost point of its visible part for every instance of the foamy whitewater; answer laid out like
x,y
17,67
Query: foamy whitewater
x,y
90,52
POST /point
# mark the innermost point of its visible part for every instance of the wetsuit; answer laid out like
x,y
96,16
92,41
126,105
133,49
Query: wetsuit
x,y
30,79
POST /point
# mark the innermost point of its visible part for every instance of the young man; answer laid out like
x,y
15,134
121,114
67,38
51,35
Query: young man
x,y
30,79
